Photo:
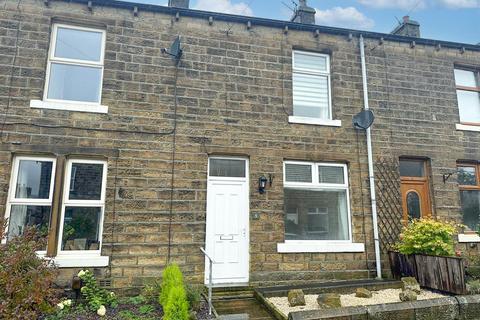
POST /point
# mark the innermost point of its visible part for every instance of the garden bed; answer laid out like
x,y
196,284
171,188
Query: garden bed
x,y
349,300
128,309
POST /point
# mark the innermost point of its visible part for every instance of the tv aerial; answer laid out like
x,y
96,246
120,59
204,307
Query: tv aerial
x,y
363,120
175,50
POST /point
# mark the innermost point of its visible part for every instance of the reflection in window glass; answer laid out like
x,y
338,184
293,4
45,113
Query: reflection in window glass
x,y
467,176
469,106
227,168
74,83
465,78
86,181
413,205
81,228
33,180
78,44
412,168
470,208
316,214
22,216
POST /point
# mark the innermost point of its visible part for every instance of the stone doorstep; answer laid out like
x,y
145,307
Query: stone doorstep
x,y
448,308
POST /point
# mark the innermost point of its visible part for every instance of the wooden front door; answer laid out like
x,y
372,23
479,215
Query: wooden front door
x,y
415,189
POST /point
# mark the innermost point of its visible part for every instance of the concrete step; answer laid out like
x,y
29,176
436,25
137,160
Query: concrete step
x,y
232,293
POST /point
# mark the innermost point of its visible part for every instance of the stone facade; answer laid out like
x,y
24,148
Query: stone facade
x,y
234,98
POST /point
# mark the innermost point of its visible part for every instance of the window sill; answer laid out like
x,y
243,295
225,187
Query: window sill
x,y
326,247
69,106
468,237
466,127
318,122
79,261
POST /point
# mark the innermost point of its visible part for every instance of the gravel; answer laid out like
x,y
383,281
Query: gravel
x,y
349,300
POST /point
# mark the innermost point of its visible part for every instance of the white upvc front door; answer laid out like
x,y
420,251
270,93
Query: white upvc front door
x,y
227,234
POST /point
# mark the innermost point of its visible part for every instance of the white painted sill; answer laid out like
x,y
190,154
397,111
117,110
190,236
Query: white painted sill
x,y
69,106
468,237
466,127
317,122
88,261
327,247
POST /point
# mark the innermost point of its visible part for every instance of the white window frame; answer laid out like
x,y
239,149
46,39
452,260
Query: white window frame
x,y
290,246
71,105
79,255
315,73
467,126
12,200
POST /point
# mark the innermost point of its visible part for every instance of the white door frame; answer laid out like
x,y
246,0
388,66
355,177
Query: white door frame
x,y
210,223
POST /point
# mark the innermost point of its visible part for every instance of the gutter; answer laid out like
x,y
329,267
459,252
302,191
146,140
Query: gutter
x,y
271,23
371,175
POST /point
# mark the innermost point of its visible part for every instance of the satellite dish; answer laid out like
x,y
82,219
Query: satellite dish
x,y
363,120
175,50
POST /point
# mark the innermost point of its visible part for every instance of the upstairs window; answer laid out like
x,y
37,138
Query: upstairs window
x,y
75,65
311,85
468,95
316,202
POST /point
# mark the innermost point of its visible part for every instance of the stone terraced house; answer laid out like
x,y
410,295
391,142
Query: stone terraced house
x,y
127,157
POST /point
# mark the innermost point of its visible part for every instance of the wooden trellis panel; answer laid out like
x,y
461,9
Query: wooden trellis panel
x,y
389,201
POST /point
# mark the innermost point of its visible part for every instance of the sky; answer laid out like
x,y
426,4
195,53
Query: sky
x,y
450,20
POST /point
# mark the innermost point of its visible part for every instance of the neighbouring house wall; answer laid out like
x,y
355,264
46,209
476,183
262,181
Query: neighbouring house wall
x,y
234,98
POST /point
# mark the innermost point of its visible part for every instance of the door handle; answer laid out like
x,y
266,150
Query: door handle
x,y
244,232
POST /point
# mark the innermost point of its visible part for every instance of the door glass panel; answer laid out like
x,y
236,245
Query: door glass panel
x,y
413,205
467,176
86,181
81,228
412,168
33,181
227,168
298,172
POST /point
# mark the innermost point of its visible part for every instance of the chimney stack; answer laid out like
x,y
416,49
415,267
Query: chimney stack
x,y
408,28
304,13
179,3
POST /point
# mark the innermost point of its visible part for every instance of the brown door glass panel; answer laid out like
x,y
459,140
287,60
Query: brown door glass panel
x,y
414,210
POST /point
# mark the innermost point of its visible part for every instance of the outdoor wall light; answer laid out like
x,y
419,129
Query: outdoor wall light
x,y
262,184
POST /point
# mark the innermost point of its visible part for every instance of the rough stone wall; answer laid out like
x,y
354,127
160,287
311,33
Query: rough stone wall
x,y
234,97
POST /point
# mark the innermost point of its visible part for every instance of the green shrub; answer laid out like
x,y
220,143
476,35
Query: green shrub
x,y
177,305
94,295
428,236
26,281
172,277
194,296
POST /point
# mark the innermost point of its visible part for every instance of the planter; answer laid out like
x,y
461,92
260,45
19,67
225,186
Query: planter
x,y
440,273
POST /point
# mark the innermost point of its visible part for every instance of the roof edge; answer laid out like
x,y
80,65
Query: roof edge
x,y
275,23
